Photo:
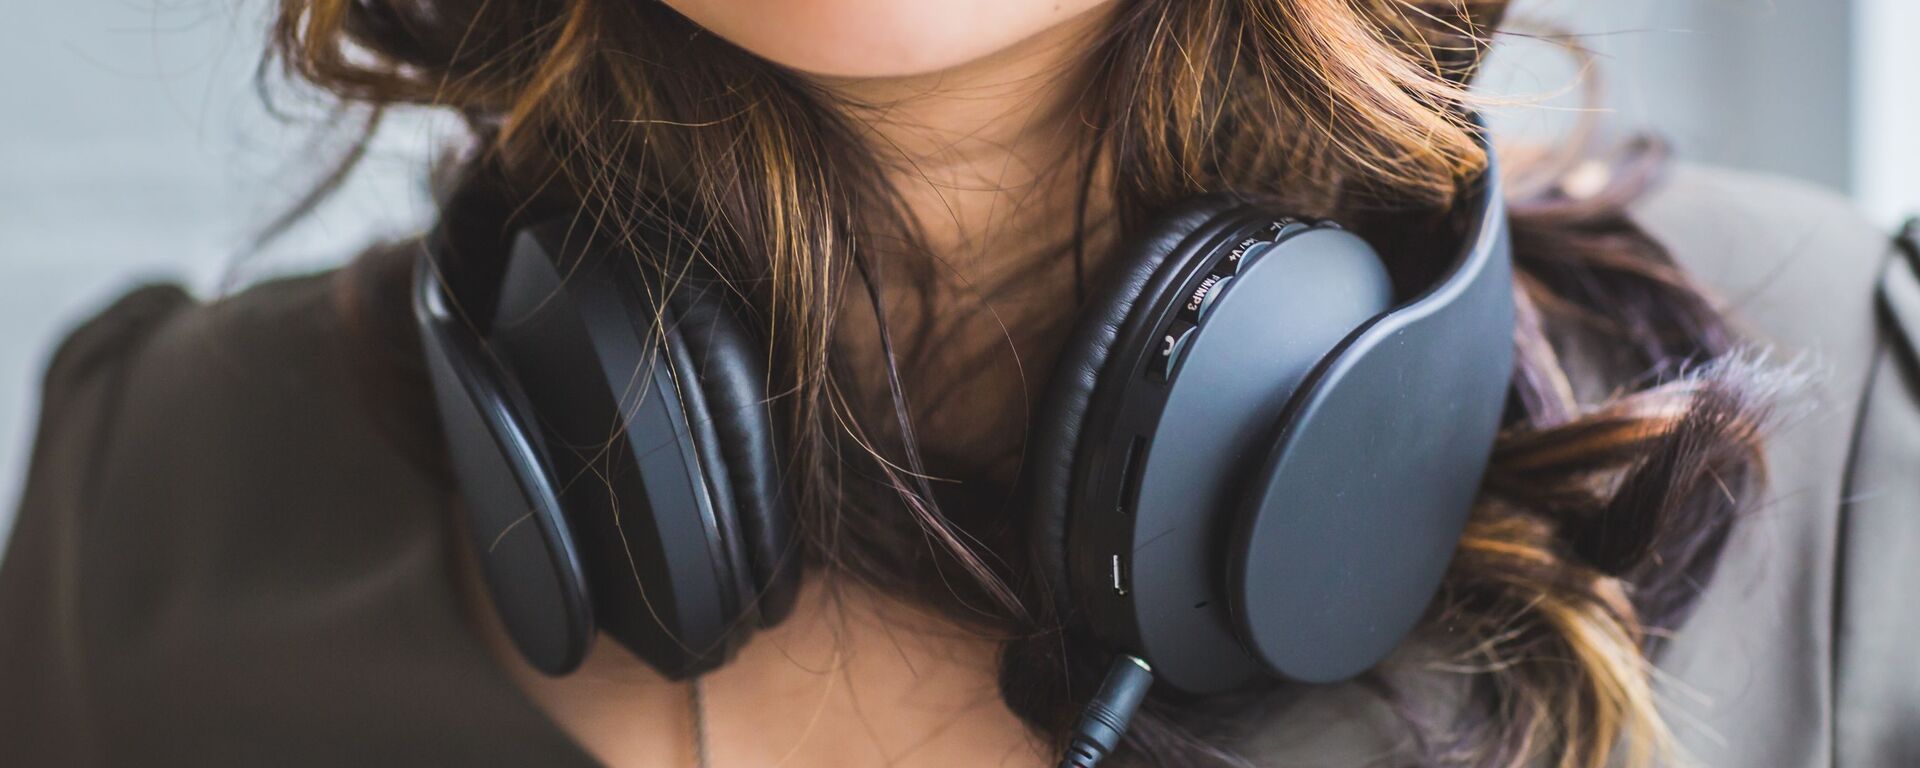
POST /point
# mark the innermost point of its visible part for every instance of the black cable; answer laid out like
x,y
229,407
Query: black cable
x,y
1105,718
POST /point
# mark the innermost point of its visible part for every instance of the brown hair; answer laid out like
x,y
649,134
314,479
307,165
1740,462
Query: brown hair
x,y
1601,516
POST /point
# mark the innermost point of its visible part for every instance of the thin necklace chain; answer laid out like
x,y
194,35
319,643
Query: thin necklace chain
x,y
696,704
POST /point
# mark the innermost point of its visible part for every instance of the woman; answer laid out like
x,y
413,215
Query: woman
x,y
240,542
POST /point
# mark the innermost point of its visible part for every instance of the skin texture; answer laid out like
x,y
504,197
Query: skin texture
x,y
852,679
987,158
970,105
878,38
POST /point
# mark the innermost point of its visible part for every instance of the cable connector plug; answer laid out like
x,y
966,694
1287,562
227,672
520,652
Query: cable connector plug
x,y
1105,718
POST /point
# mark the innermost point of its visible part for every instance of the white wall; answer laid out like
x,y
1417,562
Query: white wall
x,y
1824,90
133,147
1886,138
1761,84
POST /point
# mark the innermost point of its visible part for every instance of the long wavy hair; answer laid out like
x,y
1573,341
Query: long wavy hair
x,y
1617,475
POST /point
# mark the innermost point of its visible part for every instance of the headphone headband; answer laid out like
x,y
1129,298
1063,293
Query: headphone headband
x,y
1326,577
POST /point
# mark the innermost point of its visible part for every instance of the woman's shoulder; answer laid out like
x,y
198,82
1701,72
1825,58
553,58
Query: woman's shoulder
x,y
211,384
224,540
1801,274
1796,632
160,335
1797,270
1780,255
169,392
306,362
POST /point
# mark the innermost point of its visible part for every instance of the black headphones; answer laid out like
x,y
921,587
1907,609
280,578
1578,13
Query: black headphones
x,y
1254,461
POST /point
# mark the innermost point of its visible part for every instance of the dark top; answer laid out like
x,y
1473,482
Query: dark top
x,y
235,546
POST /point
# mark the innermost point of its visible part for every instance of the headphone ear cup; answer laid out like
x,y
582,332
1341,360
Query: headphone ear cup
x,y
514,515
624,403
1062,416
738,431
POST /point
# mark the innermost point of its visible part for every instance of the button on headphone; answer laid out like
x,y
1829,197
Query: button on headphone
x,y
1172,344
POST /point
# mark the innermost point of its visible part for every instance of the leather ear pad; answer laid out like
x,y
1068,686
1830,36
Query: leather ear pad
x,y
737,431
1063,411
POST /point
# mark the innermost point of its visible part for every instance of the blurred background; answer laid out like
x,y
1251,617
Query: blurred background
x,y
136,145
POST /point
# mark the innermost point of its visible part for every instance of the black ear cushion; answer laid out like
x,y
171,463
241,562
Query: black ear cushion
x,y
1063,412
739,425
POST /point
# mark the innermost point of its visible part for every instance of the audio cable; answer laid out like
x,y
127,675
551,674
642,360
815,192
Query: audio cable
x,y
1104,720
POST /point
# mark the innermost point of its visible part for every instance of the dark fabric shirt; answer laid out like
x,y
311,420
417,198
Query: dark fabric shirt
x,y
235,546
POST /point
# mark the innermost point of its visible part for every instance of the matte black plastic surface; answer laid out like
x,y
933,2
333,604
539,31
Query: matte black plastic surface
x,y
1360,504
513,513
1149,572
611,406
1058,461
1281,495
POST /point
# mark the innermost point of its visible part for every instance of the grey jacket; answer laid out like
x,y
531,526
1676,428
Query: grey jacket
x,y
227,555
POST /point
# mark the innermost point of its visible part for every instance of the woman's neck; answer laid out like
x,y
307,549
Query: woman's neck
x,y
989,162
983,157
987,152
851,679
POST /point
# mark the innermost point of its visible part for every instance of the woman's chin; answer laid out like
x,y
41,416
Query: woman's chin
x,y
877,38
